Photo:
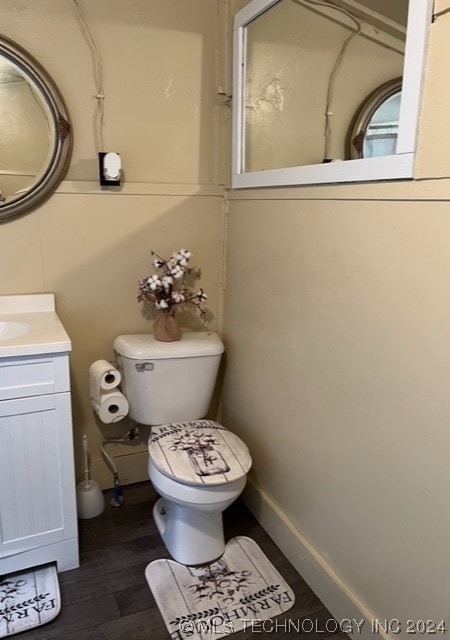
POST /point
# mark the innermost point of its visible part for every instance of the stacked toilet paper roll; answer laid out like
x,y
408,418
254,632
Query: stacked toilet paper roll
x,y
107,400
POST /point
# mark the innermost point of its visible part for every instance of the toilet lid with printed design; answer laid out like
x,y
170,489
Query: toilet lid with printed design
x,y
198,452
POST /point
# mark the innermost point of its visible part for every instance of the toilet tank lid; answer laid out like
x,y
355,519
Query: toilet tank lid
x,y
192,344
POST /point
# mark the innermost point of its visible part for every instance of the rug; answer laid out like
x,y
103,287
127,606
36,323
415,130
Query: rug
x,y
28,599
221,598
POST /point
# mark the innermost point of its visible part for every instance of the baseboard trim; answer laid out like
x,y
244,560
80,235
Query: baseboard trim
x,y
336,595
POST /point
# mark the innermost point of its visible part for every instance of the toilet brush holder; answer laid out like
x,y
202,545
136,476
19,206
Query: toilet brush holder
x,y
90,498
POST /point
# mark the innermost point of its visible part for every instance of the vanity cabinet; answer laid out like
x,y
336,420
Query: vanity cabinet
x,y
38,521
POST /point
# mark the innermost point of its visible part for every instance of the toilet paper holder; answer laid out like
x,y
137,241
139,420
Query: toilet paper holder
x,y
107,400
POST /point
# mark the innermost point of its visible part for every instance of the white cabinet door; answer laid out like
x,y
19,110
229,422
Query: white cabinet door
x,y
37,485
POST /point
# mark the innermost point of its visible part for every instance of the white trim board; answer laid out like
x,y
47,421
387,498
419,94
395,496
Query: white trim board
x,y
335,594
377,32
84,187
396,167
372,17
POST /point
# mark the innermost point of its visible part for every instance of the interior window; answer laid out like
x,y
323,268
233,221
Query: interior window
x,y
302,70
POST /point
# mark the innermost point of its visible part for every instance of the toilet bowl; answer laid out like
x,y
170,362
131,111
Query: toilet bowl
x,y
189,519
197,466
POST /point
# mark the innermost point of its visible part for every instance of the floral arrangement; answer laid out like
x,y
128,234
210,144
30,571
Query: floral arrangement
x,y
167,290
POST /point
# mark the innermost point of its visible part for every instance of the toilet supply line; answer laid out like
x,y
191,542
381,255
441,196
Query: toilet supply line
x,y
130,437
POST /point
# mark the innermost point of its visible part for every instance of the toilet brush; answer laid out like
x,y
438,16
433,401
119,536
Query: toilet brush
x,y
90,499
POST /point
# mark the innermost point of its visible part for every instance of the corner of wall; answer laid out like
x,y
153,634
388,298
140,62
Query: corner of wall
x,y
348,610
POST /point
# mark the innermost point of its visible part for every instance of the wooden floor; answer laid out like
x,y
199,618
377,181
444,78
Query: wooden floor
x,y
107,598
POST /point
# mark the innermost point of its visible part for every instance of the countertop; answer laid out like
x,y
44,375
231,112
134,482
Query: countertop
x,y
35,314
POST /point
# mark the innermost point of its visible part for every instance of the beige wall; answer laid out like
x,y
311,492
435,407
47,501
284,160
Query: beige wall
x,y
337,308
159,65
337,331
88,246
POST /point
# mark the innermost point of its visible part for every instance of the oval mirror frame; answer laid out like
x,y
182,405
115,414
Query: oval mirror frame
x,y
62,137
365,113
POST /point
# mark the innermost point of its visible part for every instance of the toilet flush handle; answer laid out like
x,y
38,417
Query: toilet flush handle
x,y
145,366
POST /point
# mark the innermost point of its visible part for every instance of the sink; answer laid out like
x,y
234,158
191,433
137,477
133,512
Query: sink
x,y
10,330
29,326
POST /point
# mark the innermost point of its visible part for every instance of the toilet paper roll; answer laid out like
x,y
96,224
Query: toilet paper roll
x,y
102,377
113,407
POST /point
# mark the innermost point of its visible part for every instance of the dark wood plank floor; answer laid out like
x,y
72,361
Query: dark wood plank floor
x,y
107,598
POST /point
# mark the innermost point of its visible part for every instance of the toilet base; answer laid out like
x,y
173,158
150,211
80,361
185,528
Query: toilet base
x,y
191,537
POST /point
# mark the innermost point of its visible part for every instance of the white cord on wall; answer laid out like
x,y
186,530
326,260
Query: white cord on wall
x,y
98,71
334,71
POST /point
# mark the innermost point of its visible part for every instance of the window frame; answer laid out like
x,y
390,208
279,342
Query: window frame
x,y
398,166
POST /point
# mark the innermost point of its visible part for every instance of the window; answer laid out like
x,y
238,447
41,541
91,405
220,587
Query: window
x,y
277,43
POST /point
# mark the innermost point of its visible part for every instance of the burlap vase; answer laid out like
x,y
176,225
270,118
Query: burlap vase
x,y
166,328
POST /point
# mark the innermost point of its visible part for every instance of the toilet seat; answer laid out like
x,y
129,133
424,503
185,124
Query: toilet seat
x,y
198,452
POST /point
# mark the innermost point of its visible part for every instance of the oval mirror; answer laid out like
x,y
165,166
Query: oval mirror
x,y
374,130
35,132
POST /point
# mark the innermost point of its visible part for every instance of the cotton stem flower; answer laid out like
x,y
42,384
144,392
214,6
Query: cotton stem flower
x,y
167,290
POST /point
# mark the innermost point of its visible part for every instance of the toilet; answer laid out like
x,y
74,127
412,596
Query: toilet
x,y
197,466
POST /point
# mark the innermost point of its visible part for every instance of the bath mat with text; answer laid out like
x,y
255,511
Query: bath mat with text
x,y
221,598
28,599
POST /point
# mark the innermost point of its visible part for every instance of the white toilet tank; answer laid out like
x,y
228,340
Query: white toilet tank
x,y
168,381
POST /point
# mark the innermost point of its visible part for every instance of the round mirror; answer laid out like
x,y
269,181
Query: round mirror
x,y
374,130
35,132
